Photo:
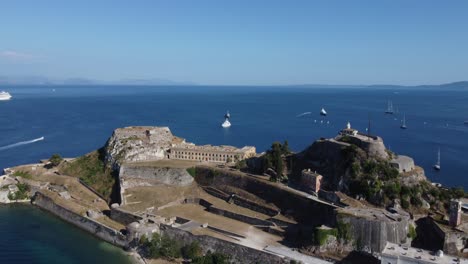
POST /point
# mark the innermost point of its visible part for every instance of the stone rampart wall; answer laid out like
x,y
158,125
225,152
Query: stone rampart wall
x,y
373,147
372,235
303,209
124,217
242,202
239,217
99,230
238,253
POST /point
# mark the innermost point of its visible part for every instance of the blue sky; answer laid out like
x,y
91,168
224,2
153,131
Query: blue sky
x,y
238,42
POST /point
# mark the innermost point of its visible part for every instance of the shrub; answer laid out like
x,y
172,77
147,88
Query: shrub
x,y
404,203
22,174
21,194
55,160
321,235
192,171
412,232
160,246
192,250
212,258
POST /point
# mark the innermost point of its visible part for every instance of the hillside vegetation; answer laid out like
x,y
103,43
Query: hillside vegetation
x,y
91,169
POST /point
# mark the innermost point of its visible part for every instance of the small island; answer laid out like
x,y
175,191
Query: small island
x,y
346,198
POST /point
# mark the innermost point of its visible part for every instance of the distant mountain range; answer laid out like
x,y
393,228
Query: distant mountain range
x,y
462,85
39,80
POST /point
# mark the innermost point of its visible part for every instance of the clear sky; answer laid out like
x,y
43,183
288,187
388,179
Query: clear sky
x,y
238,42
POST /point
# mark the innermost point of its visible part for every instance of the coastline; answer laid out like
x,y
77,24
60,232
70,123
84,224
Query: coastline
x,y
133,255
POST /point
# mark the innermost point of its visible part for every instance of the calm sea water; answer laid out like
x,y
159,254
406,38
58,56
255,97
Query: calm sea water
x,y
29,235
77,120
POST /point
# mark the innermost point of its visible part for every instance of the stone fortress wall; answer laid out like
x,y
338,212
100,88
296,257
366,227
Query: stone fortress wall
x,y
210,153
105,233
371,144
134,144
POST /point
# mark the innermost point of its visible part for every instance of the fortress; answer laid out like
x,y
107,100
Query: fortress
x,y
135,144
373,145
221,154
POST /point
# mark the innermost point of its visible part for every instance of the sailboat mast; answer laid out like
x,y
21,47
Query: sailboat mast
x,y
438,157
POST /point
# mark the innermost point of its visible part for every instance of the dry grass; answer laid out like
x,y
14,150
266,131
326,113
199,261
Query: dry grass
x,y
141,198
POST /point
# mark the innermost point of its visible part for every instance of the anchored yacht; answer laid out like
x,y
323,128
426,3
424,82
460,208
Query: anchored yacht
x,y
437,165
403,122
5,96
226,122
389,108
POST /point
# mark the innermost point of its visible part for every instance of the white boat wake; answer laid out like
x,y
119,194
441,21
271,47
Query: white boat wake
x,y
21,143
303,114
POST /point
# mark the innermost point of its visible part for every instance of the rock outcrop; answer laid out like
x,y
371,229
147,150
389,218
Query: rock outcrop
x,y
131,144
133,175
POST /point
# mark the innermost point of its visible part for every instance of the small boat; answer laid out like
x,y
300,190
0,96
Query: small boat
x,y
437,165
323,112
403,123
5,96
226,122
389,108
466,122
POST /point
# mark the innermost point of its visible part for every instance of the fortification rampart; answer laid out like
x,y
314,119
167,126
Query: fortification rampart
x,y
238,253
99,230
309,211
371,234
124,217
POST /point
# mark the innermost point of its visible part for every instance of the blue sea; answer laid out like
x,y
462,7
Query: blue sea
x,y
75,120
29,235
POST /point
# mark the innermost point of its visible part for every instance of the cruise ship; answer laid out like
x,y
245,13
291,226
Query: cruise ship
x,y
4,96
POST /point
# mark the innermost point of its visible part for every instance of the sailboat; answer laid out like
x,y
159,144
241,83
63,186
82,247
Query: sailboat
x,y
437,165
323,112
389,108
226,122
403,122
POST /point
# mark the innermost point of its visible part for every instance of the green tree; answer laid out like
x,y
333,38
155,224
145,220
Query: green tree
x,y
192,250
55,160
285,148
212,258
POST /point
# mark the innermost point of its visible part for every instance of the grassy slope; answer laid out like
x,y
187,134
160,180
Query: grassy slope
x,y
91,170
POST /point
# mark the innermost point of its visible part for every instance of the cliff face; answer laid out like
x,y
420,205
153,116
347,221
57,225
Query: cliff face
x,y
326,157
132,144
134,176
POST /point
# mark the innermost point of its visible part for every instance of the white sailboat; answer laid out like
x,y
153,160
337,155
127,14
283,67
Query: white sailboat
x,y
226,122
437,165
323,112
389,108
403,122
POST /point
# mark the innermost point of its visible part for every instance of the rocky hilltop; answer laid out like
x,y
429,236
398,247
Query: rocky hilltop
x,y
133,144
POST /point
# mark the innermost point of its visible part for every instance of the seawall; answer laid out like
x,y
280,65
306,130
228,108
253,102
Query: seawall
x,y
97,229
238,253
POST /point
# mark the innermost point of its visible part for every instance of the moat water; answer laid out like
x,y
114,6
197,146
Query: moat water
x,y
77,120
29,235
